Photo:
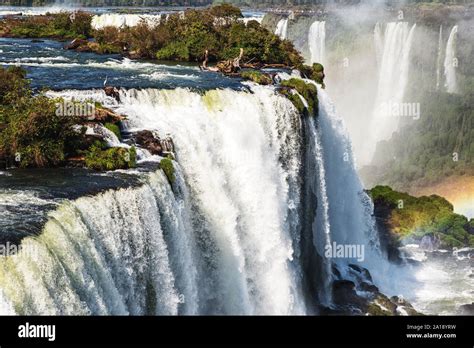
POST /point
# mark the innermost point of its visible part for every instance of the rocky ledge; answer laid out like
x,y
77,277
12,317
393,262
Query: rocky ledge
x,y
359,296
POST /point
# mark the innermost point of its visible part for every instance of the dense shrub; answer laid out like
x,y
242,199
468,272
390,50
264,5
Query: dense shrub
x,y
415,217
307,90
31,134
98,157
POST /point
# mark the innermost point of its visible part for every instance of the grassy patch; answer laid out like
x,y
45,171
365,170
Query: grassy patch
x,y
166,164
307,90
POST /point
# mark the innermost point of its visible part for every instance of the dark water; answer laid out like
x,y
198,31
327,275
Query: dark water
x,y
27,195
50,65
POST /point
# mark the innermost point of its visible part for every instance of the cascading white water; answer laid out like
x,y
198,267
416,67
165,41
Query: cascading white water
x,y
123,20
378,41
393,77
226,237
317,42
99,255
439,61
229,245
450,62
349,207
282,28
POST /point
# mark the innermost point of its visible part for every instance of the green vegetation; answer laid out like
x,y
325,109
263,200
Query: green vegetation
x,y
182,37
34,134
166,164
218,30
31,134
314,72
257,77
307,90
98,157
114,129
416,217
438,145
59,26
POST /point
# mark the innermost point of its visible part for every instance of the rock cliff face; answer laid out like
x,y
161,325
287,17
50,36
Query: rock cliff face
x,y
359,296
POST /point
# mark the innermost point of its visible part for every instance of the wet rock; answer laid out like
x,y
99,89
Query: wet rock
x,y
368,287
134,55
467,309
148,141
336,272
344,293
113,92
103,115
361,273
76,44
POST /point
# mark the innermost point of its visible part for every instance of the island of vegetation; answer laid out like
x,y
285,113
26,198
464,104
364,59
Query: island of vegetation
x,y
38,131
428,220
33,135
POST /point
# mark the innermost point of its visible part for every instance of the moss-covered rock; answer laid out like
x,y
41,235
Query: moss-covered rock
x,y
257,77
114,129
314,72
295,99
166,164
416,217
98,157
307,90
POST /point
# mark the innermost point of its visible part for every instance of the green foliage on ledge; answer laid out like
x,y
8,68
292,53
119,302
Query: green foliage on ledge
x,y
98,157
314,72
166,164
257,77
61,25
31,133
414,217
114,129
307,90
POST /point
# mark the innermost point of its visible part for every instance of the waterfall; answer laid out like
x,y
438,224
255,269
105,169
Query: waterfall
x,y
123,20
259,193
317,42
440,59
393,77
378,41
450,62
282,28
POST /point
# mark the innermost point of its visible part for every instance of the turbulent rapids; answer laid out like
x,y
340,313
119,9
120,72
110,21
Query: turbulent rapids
x,y
258,194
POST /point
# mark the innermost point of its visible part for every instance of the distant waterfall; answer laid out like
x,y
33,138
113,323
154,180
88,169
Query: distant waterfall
x,y
378,41
393,77
440,58
317,42
123,20
258,195
450,62
282,28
